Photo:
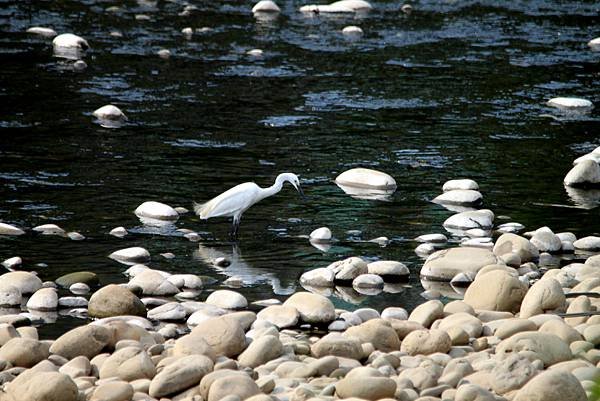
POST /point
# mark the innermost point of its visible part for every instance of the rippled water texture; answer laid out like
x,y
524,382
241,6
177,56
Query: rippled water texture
x,y
456,89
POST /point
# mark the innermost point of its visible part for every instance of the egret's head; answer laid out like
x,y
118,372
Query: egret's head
x,y
292,179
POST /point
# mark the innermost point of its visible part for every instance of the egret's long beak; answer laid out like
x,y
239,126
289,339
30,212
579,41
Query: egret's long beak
x,y
301,192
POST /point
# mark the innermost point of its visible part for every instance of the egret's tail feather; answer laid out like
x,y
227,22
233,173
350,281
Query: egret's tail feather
x,y
199,208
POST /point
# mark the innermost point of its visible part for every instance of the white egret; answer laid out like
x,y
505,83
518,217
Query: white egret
x,y
235,201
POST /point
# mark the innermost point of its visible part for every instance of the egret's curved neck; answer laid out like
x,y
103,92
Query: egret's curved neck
x,y
272,190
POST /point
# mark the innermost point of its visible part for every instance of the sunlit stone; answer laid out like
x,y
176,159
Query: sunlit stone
x,y
432,238
265,6
343,6
366,178
255,53
570,103
459,197
322,234
69,40
46,32
7,229
473,219
109,112
352,31
75,236
460,184
156,210
49,229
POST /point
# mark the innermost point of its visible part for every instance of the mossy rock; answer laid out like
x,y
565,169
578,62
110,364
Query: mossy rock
x,y
68,280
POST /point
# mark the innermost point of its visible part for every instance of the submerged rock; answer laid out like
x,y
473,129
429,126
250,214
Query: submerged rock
x,y
459,197
265,6
42,31
7,229
131,255
109,112
352,31
462,184
69,40
343,6
366,178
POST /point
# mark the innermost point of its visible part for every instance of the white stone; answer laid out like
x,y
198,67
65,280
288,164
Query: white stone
x,y
477,233
227,299
69,40
109,112
7,229
320,277
131,255
190,281
26,282
589,243
343,6
510,227
435,238
10,295
320,234
472,219
480,242
13,262
388,268
585,173
164,53
368,281
75,236
39,30
459,197
465,184
49,229
352,30
118,232
545,240
570,103
265,6
153,282
169,311
594,42
255,52
79,288
366,178
72,302
595,157
394,313
43,299
156,210
187,31
424,249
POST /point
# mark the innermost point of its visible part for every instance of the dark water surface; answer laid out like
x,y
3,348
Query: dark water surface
x,y
456,89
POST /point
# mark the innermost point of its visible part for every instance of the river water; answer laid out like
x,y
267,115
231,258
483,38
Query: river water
x,y
455,89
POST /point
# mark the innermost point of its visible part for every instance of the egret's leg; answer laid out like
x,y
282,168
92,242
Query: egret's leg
x,y
236,227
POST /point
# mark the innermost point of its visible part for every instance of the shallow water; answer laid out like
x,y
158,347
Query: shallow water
x,y
456,89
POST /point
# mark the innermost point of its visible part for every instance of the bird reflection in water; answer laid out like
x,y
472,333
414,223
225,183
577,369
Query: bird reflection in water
x,y
241,270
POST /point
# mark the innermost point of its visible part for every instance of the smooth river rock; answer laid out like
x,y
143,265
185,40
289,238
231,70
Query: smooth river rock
x,y
180,375
110,112
365,383
584,174
546,294
464,184
26,282
570,103
471,219
547,347
513,243
447,263
342,6
552,385
131,255
114,300
227,299
156,210
225,336
313,308
7,229
281,316
459,197
86,340
69,40
365,178
496,290
426,342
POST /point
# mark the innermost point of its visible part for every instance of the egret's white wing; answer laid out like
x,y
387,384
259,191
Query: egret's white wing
x,y
238,198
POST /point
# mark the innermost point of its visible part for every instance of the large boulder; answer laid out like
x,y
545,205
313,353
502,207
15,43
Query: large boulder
x,y
86,340
552,385
547,347
114,300
313,308
546,294
496,290
225,336
513,243
180,375
447,263
26,282
44,386
24,352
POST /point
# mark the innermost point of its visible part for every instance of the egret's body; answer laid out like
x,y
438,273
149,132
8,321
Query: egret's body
x,y
235,201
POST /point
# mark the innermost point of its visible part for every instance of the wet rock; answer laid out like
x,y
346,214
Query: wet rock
x,y
459,197
49,229
426,342
86,277
156,210
348,269
225,336
545,240
546,294
585,173
337,345
180,375
261,351
365,383
570,103
24,352
322,234
512,243
227,299
265,6
368,281
552,385
118,232
496,290
471,219
114,300
462,184
280,315
321,277
312,308
86,340
447,263
549,348
25,282
7,229
75,236
362,177
589,244
153,282
79,288
69,40
42,31
44,299
131,255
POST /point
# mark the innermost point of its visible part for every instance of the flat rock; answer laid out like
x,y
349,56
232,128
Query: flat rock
x,y
265,6
590,244
464,184
69,279
447,263
471,219
570,103
368,281
42,31
44,386
459,197
280,315
366,178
